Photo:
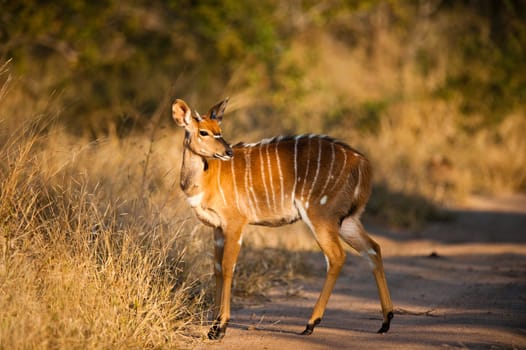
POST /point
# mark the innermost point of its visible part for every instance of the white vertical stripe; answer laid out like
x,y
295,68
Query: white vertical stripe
x,y
358,183
219,182
271,177
305,179
247,192
281,184
252,184
329,174
293,194
262,166
250,187
317,170
342,171
234,184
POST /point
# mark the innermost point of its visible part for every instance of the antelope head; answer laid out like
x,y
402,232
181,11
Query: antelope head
x,y
203,133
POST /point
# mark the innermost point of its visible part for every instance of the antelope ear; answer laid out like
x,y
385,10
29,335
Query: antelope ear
x,y
217,111
181,113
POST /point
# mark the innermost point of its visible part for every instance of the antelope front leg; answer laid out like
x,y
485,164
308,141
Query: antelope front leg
x,y
219,243
224,272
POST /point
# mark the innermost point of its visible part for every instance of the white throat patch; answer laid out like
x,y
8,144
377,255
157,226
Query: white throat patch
x,y
195,200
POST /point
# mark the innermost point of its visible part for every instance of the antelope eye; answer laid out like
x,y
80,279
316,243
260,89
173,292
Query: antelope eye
x,y
203,133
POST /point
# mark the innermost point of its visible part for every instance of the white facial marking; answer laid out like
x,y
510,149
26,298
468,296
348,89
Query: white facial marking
x,y
194,201
323,200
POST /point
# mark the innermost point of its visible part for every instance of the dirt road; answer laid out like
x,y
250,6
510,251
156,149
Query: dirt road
x,y
458,284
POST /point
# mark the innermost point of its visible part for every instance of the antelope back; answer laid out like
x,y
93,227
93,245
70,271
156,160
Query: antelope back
x,y
272,181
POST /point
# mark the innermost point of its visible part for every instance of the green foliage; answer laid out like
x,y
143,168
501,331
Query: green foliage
x,y
489,74
115,61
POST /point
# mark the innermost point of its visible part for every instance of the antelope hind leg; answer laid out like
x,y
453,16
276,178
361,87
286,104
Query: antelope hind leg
x,y
353,233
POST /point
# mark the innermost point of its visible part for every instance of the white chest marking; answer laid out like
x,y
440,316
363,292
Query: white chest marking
x,y
195,200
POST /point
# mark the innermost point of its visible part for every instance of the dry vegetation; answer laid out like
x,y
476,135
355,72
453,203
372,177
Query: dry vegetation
x,y
88,259
98,248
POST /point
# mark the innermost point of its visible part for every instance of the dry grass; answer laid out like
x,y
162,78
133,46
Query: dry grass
x,y
84,268
98,248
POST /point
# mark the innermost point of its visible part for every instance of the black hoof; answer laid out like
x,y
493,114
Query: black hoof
x,y
216,332
310,327
386,324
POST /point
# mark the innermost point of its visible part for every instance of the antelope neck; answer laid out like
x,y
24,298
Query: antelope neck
x,y
192,170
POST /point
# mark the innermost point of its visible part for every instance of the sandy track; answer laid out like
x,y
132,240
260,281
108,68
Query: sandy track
x,y
469,294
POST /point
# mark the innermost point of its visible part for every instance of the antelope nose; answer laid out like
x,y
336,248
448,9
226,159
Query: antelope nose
x,y
229,152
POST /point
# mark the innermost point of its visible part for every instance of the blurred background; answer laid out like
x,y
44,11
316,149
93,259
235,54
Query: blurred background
x,y
432,91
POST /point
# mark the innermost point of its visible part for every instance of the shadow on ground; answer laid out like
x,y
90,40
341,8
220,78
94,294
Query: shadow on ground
x,y
457,283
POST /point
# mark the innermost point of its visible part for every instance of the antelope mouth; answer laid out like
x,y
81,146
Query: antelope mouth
x,y
222,156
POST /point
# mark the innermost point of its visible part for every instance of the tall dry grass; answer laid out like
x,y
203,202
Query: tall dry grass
x,y
98,248
85,268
